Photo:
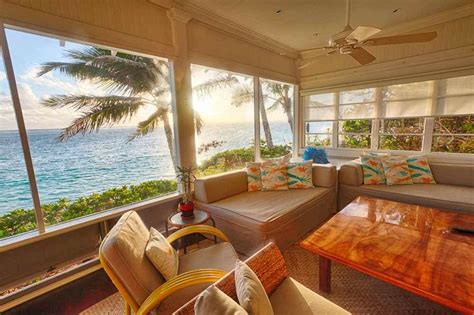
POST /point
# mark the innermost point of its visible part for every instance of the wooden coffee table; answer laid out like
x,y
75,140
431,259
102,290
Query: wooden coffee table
x,y
406,245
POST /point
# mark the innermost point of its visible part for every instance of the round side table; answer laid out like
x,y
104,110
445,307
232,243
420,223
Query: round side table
x,y
176,220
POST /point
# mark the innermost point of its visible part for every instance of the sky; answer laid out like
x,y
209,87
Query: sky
x,y
29,51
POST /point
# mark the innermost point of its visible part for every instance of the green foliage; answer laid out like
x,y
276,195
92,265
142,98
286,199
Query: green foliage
x,y
357,126
21,220
236,158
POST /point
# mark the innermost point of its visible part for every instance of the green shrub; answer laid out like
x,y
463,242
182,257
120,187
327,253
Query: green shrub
x,y
21,220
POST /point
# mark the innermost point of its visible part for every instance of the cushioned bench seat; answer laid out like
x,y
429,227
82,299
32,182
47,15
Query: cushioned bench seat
x,y
251,219
453,191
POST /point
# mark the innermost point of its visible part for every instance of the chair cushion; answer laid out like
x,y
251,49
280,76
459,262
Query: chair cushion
x,y
291,297
162,255
220,256
124,251
215,302
250,291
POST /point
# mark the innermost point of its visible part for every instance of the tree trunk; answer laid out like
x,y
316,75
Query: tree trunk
x,y
287,107
266,126
169,138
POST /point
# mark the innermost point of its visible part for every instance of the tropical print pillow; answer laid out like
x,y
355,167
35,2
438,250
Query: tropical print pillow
x,y
420,170
274,176
254,177
300,175
397,171
372,168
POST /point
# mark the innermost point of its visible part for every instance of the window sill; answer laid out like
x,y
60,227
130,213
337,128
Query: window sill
x,y
61,228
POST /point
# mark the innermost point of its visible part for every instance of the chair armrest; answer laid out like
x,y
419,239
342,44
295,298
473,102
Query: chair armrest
x,y
177,283
204,229
351,174
324,175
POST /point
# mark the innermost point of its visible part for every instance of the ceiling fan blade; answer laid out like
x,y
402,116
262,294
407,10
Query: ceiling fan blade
x,y
362,56
361,33
401,39
310,61
317,48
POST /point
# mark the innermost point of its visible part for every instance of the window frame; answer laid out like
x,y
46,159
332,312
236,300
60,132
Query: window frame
x,y
428,121
42,231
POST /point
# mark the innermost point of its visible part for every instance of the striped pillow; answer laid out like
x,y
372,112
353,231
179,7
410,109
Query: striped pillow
x,y
397,171
373,170
420,170
300,175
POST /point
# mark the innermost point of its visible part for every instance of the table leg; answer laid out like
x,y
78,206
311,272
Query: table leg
x,y
324,274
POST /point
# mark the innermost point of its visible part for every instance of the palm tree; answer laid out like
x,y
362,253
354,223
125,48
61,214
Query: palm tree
x,y
132,82
276,93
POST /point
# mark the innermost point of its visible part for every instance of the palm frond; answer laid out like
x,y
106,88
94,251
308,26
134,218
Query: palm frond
x,y
221,81
150,124
101,112
242,95
275,105
123,73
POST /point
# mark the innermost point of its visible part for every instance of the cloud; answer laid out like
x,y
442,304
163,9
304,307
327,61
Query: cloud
x,y
3,75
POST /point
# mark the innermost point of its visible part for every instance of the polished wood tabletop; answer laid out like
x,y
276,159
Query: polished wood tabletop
x,y
406,245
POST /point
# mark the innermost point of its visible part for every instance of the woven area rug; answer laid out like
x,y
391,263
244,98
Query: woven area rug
x,y
352,290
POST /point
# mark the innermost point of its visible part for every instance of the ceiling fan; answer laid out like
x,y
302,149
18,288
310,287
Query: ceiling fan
x,y
350,41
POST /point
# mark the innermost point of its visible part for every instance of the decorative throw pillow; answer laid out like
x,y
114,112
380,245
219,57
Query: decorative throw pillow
x,y
372,168
250,291
377,153
397,171
420,170
213,301
274,176
300,175
162,255
254,177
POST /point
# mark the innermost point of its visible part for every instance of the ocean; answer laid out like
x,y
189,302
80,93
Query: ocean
x,y
100,161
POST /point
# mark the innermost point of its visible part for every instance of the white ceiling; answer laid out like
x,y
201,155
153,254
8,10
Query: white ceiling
x,y
299,20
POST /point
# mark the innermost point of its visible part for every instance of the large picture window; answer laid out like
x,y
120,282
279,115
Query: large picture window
x,y
99,124
428,116
224,118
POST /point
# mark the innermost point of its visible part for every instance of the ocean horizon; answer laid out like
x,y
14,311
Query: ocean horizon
x,y
102,160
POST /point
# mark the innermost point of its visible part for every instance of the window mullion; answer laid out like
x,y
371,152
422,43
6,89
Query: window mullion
x,y
22,130
256,101
374,144
335,124
429,121
296,120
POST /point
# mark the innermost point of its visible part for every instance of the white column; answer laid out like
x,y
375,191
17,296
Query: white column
x,y
256,102
183,89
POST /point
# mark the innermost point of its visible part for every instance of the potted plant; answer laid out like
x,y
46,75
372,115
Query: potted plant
x,y
185,176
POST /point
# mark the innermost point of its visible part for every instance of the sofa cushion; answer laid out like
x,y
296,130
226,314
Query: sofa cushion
x,y
453,174
124,251
250,291
291,297
265,211
216,187
442,196
215,302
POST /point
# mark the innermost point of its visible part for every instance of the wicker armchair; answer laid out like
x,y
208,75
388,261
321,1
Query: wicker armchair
x,y
122,255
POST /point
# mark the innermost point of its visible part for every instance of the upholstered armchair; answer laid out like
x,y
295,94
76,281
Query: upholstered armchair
x,y
287,296
122,255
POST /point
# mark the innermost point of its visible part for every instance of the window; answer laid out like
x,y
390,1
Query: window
x,y
276,118
224,114
421,116
319,114
15,197
99,123
354,131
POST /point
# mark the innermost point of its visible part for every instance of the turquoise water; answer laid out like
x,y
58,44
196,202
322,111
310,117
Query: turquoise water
x,y
99,161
